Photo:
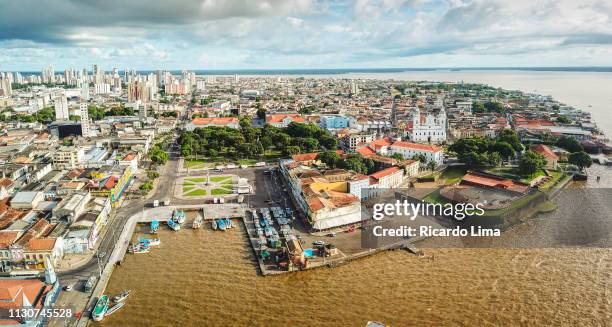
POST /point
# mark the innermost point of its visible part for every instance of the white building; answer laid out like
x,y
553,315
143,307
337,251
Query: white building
x,y
428,128
408,150
61,108
351,141
85,126
102,88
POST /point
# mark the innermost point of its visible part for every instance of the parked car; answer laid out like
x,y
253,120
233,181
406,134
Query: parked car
x,y
69,287
102,254
320,243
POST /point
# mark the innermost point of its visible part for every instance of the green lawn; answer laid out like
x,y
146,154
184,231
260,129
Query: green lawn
x,y
195,163
556,176
453,175
221,191
187,188
435,197
219,179
197,192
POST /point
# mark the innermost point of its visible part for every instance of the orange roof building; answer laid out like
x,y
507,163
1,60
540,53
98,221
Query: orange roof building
x,y
282,120
495,182
231,122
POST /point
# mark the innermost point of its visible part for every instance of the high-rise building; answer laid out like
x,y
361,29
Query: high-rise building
x,y
142,110
354,88
85,91
5,86
61,108
102,88
84,113
48,74
138,91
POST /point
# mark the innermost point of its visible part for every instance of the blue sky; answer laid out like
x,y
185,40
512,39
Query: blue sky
x,y
285,34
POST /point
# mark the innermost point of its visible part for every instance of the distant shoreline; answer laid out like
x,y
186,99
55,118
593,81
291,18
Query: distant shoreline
x,y
340,71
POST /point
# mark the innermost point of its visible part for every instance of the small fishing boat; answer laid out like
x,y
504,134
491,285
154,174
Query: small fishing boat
x,y
221,224
174,225
154,226
179,216
228,223
122,296
197,222
139,248
100,309
114,308
214,224
150,241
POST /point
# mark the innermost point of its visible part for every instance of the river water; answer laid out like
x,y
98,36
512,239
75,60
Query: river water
x,y
206,278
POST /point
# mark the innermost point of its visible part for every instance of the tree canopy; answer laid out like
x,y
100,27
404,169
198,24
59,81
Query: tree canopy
x,y
531,162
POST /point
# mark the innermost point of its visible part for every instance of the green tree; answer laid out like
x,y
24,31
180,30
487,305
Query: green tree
x,y
531,162
261,113
330,158
291,150
569,143
511,137
580,159
419,157
431,165
504,149
397,156
146,187
563,120
494,106
478,107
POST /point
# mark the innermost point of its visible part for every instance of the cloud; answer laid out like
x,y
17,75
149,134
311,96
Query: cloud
x,y
272,33
60,21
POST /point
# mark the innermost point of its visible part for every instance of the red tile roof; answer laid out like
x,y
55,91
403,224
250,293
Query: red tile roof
x,y
494,182
385,172
417,146
215,121
366,151
41,244
545,151
277,118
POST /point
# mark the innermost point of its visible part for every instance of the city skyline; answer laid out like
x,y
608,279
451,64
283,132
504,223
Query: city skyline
x,y
304,34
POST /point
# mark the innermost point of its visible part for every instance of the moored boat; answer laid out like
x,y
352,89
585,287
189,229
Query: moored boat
x,y
179,216
221,224
122,296
114,308
100,309
228,223
214,224
174,225
197,222
154,226
150,241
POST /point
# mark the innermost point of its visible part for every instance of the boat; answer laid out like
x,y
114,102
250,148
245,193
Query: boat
x,y
228,223
214,224
221,224
197,222
150,241
114,308
179,216
140,248
122,296
100,309
174,225
154,226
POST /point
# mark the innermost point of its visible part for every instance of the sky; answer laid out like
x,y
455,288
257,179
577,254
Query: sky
x,y
294,34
